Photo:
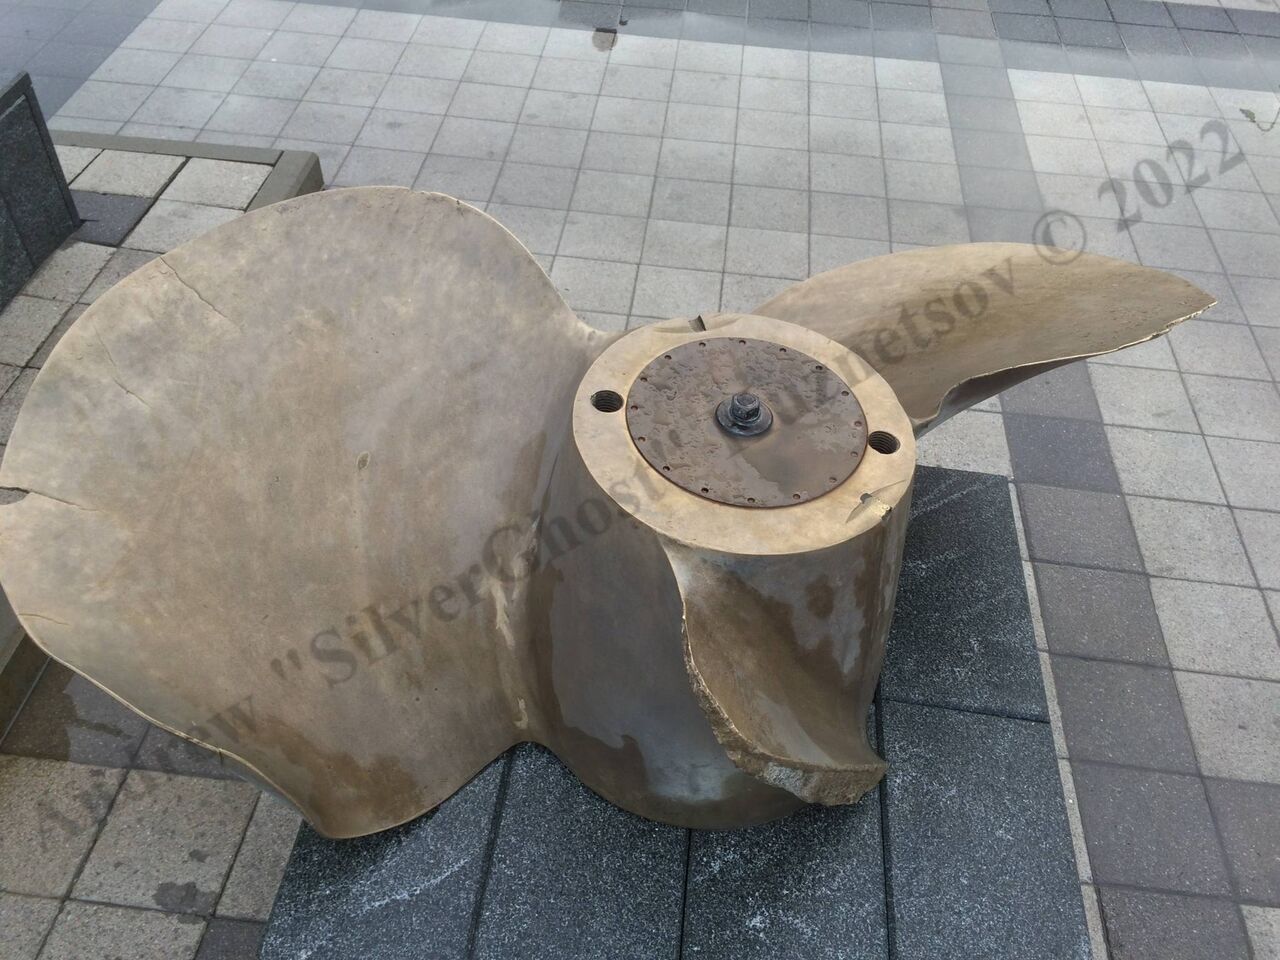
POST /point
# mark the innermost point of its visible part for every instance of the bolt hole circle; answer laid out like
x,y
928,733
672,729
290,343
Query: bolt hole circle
x,y
882,441
607,401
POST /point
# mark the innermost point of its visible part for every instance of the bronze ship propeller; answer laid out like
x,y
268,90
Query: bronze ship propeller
x,y
345,492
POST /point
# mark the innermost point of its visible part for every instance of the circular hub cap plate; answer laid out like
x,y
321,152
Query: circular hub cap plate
x,y
816,441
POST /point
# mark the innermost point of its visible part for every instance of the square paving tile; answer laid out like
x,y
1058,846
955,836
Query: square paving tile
x,y
389,893
1233,723
960,640
972,440
231,940
1246,815
1144,925
1261,532
1248,469
1078,527
24,325
24,921
168,843
1060,452
616,881
1099,613
48,821
1142,398
1127,815
171,223
68,271
108,217
1211,628
1263,924
1064,392
1161,463
91,929
808,885
1189,541
980,856
1122,713
1219,401
133,174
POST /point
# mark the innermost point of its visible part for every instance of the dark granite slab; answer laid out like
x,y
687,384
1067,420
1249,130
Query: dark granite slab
x,y
15,266
32,190
407,892
811,886
575,876
962,634
108,217
980,859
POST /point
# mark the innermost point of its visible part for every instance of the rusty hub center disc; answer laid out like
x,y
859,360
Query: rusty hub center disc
x,y
816,439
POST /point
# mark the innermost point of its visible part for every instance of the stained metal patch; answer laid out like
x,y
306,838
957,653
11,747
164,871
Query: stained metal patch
x,y
816,441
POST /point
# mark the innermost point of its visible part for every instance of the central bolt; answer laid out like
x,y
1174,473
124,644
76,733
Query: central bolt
x,y
744,408
744,415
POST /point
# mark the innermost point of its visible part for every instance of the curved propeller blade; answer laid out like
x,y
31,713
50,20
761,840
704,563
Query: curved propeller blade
x,y
263,469
950,326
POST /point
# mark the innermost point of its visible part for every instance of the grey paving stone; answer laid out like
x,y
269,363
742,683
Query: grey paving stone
x,y
73,160
24,921
1099,613
260,863
810,885
25,324
1122,713
133,174
171,223
108,217
1189,541
68,718
1246,817
1233,723
1211,628
573,875
463,177
1060,452
1261,532
1144,925
1127,816
68,271
980,857
962,635
595,284
94,930
538,228
1078,527
672,292
231,940
1159,463
973,440
1142,398
121,264
219,183
11,402
1219,400
167,843
604,235
387,894
48,821
1263,924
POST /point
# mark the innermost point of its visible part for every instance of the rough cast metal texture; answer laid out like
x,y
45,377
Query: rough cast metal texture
x,y
815,440
247,518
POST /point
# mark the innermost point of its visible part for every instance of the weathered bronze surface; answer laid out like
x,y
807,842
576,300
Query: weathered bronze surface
x,y
812,434
950,326
282,506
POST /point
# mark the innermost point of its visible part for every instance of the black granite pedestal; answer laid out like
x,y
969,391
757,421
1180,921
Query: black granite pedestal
x,y
963,852
36,209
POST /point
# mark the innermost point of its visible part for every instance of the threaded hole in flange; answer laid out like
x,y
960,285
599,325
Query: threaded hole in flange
x,y
883,442
607,401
